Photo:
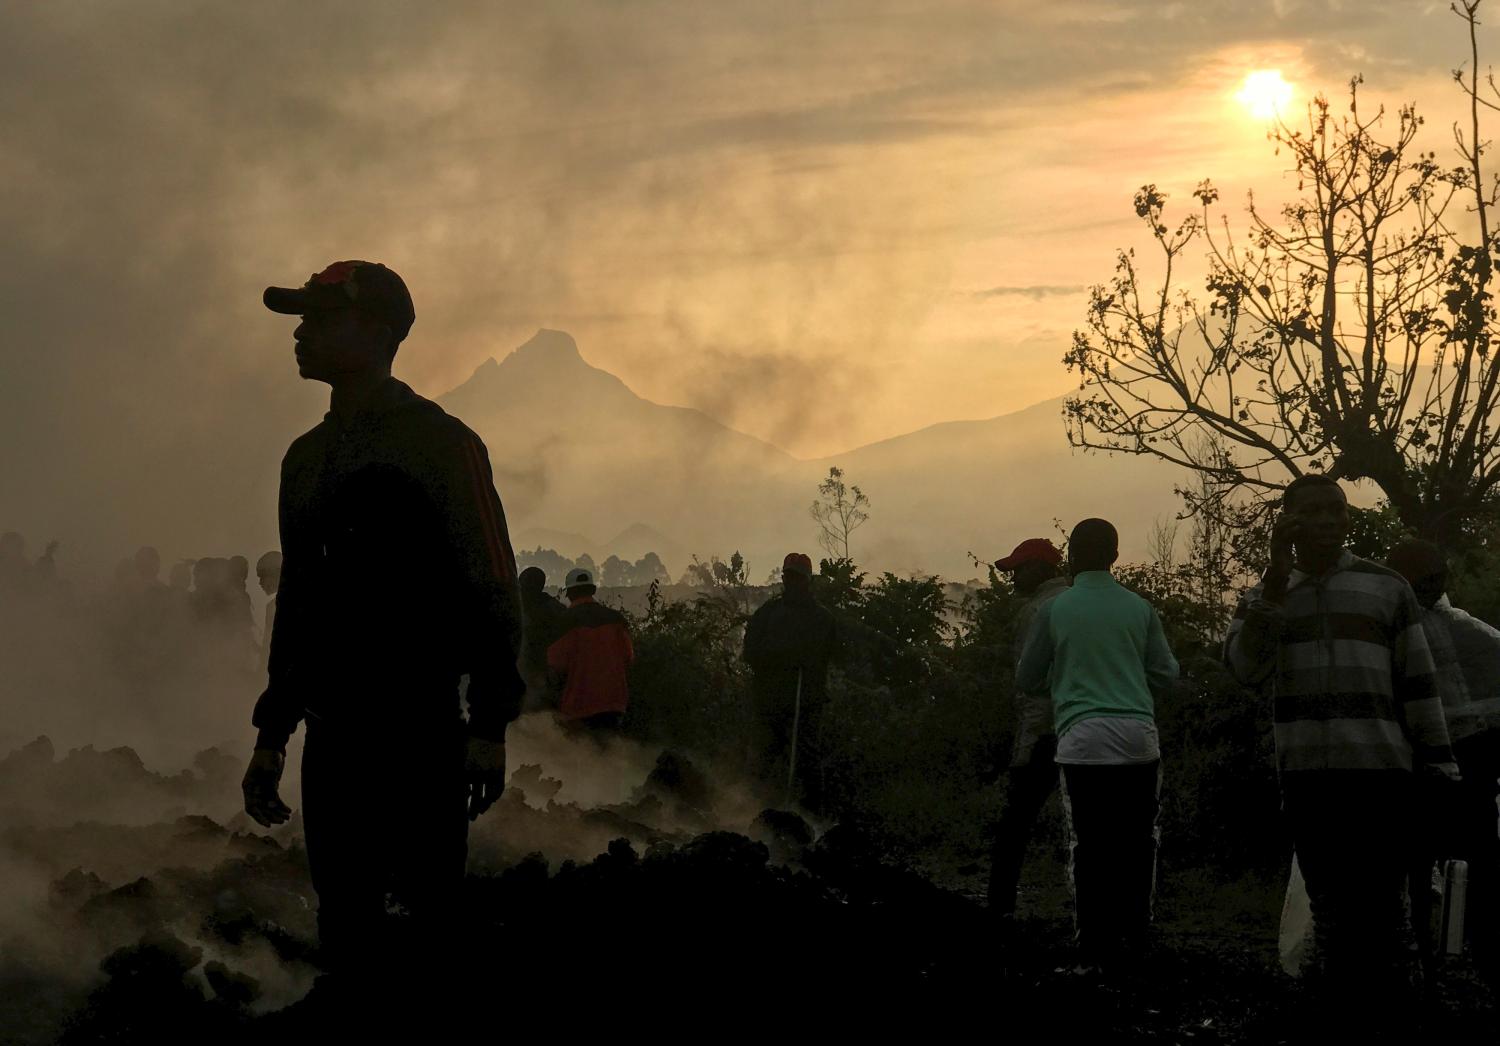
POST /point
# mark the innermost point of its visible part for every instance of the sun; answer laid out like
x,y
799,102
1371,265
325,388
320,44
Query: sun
x,y
1265,94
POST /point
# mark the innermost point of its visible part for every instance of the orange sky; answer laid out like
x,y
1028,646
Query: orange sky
x,y
823,224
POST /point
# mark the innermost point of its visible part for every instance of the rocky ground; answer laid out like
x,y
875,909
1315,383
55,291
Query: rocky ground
x,y
141,907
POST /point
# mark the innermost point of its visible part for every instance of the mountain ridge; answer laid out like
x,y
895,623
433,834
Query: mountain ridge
x,y
576,450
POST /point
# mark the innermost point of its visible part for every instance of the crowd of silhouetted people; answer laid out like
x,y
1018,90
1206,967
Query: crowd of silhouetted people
x,y
151,634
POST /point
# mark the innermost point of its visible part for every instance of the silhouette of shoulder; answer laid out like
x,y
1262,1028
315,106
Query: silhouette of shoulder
x,y
410,417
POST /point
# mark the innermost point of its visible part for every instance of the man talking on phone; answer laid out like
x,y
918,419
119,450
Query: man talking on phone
x,y
1338,642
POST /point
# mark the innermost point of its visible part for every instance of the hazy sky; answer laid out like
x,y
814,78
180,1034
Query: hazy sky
x,y
824,223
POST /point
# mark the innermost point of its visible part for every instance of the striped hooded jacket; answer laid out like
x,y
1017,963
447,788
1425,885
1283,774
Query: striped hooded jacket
x,y
1475,648
1348,667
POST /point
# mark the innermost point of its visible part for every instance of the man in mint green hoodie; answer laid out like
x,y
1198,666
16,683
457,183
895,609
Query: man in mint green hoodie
x,y
1100,649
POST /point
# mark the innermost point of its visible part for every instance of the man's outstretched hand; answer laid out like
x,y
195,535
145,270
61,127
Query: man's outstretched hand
x,y
261,787
484,773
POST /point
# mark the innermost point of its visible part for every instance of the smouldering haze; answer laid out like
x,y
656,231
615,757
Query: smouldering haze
x,y
823,225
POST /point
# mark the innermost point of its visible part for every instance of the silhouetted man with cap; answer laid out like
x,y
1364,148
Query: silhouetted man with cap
x,y
1035,567
372,658
789,643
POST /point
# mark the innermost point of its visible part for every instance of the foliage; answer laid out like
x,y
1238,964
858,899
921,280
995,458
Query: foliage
x,y
1349,334
690,684
839,584
552,563
614,573
920,719
839,511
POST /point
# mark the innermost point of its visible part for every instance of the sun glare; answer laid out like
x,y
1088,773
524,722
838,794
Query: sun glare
x,y
1265,94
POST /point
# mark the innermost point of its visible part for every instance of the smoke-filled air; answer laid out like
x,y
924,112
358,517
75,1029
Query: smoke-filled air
x,y
578,514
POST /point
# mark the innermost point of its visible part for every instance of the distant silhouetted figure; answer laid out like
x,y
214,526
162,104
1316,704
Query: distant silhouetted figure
x,y
1099,649
15,572
790,641
1035,567
370,655
1338,642
590,659
180,591
147,566
268,575
1459,820
237,605
46,564
223,614
542,618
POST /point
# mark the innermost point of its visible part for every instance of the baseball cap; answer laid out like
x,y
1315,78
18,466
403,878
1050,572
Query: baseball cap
x,y
579,576
797,563
1032,550
364,285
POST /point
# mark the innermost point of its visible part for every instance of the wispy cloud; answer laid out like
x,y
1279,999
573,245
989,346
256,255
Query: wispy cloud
x,y
1035,292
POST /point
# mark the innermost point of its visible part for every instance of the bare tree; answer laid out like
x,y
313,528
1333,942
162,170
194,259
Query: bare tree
x,y
839,511
1161,542
1350,334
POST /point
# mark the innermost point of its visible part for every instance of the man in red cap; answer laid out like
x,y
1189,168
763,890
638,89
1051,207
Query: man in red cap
x,y
1035,569
789,644
371,656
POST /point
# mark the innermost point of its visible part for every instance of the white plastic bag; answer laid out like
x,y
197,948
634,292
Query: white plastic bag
x,y
1296,924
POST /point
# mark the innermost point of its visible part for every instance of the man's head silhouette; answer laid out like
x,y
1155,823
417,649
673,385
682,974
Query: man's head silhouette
x,y
1425,567
268,572
1093,545
147,564
533,579
354,316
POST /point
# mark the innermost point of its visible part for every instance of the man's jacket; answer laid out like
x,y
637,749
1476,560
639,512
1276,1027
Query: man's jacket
x,y
1476,647
397,577
1349,669
592,656
544,623
1098,649
787,634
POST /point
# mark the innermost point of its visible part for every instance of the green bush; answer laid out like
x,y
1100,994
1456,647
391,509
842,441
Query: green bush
x,y
921,716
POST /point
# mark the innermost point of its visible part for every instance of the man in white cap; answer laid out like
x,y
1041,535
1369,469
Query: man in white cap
x,y
591,659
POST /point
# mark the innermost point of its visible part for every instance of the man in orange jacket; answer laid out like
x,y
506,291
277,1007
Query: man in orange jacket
x,y
590,659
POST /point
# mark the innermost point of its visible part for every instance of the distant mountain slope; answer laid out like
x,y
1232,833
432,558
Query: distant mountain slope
x,y
576,451
983,486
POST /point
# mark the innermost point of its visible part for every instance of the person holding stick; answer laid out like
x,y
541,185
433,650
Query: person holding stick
x,y
789,644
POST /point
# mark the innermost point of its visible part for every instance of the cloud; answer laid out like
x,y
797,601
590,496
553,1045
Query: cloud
x,y
1036,293
790,187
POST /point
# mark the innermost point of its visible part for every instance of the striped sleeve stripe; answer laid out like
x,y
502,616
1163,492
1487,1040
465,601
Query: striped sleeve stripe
x,y
1342,744
501,563
1320,707
1361,628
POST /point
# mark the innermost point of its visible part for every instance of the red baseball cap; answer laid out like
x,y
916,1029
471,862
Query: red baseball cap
x,y
797,563
1032,550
